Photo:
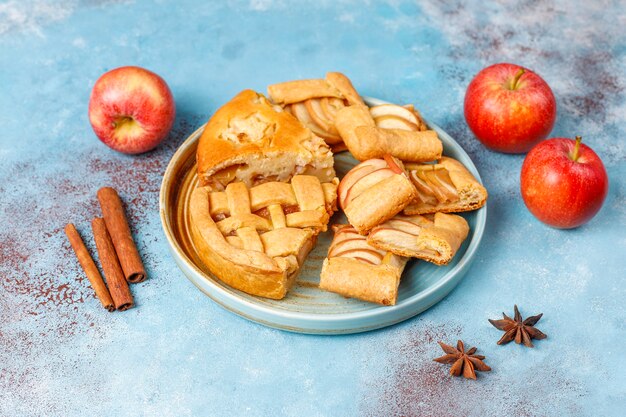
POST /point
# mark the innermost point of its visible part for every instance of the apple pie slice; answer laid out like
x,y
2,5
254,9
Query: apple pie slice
x,y
374,191
446,186
253,141
316,103
355,269
387,129
255,239
434,239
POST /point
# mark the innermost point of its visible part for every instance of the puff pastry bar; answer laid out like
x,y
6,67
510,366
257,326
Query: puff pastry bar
x,y
446,186
374,191
435,239
391,129
316,103
252,141
255,239
355,269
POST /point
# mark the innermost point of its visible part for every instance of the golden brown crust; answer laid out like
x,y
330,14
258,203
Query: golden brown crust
x,y
435,240
355,269
379,203
354,279
344,85
248,138
316,102
471,194
366,141
335,85
256,239
299,90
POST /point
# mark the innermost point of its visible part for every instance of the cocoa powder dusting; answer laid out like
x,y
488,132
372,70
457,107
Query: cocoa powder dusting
x,y
417,386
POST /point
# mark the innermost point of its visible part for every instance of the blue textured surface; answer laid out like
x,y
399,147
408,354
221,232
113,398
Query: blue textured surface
x,y
178,353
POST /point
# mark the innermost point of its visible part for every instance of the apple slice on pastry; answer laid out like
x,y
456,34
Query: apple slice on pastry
x,y
356,269
446,186
435,239
316,103
374,191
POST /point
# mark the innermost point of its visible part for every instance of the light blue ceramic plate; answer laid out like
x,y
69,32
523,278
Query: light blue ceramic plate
x,y
307,309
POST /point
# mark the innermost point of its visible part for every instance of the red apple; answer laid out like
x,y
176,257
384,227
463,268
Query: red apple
x,y
563,182
509,108
131,109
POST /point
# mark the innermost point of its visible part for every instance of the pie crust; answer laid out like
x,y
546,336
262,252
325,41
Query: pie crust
x,y
374,191
446,187
255,239
365,138
252,141
434,239
316,103
356,269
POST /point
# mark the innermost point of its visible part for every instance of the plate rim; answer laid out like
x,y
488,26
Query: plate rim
x,y
403,310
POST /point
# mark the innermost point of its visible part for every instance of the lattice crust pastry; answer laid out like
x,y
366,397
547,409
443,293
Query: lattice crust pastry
x,y
355,269
255,239
316,103
387,129
434,239
253,141
374,191
446,187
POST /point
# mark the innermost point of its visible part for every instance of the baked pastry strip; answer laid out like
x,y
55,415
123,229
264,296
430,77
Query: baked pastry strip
x,y
336,85
365,140
446,187
435,239
355,269
250,140
374,191
255,239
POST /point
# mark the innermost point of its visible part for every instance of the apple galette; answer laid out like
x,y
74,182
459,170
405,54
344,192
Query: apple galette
x,y
356,269
255,239
387,129
316,103
374,191
446,187
253,141
434,239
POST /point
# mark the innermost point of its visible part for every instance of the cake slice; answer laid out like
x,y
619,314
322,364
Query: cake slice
x,y
250,140
435,238
356,269
446,186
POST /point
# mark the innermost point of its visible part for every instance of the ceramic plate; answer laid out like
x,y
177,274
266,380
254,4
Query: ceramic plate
x,y
307,309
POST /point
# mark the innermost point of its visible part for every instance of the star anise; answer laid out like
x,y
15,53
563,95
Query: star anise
x,y
463,363
518,330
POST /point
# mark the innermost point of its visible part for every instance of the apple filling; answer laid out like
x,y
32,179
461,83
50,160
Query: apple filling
x,y
348,243
287,209
318,114
225,176
250,129
392,116
433,185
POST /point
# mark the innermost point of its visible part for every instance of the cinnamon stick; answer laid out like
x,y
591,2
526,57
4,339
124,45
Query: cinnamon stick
x,y
110,265
117,225
89,266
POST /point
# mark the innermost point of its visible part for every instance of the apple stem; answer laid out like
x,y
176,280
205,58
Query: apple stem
x,y
515,81
576,148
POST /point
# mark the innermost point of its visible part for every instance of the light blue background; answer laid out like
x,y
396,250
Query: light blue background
x,y
177,353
